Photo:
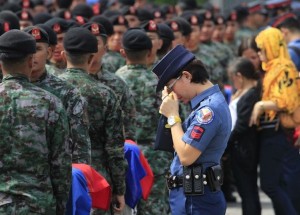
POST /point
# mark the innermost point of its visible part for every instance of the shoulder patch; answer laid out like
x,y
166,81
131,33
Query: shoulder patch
x,y
197,132
205,115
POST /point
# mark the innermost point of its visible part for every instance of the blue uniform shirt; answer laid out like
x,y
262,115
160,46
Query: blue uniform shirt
x,y
295,52
207,128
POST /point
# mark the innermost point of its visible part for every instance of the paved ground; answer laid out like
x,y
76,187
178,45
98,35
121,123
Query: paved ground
x,y
235,208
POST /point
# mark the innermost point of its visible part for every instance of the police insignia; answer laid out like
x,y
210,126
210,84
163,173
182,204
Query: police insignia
x,y
197,132
205,115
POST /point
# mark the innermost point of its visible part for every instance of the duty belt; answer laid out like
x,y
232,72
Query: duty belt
x,y
194,179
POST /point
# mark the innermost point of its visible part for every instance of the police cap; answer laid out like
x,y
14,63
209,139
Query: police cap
x,y
273,4
171,65
136,39
95,28
16,44
39,34
80,40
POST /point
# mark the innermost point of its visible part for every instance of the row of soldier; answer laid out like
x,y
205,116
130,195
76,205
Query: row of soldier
x,y
102,108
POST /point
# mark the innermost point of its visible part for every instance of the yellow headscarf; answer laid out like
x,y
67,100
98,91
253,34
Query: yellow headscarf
x,y
279,84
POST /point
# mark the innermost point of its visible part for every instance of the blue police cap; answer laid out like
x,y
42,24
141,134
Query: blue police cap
x,y
171,65
273,4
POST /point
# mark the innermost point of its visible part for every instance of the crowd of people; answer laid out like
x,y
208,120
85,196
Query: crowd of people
x,y
80,78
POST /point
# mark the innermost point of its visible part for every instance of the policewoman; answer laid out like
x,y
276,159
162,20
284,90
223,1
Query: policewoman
x,y
195,175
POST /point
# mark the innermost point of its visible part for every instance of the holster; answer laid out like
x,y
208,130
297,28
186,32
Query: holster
x,y
193,180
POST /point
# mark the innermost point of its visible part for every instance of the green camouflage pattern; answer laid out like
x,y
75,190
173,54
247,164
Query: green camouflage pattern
x,y
125,98
52,69
243,33
112,61
35,159
105,127
76,107
142,83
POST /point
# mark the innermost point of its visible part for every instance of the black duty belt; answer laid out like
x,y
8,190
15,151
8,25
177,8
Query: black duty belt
x,y
194,179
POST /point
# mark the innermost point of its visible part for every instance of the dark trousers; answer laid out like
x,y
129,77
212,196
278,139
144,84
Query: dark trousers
x,y
245,174
274,147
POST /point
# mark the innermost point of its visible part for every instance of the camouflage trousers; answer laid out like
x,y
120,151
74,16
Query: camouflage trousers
x,y
158,200
21,208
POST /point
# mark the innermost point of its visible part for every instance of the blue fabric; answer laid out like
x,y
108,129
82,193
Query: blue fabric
x,y
294,55
79,202
134,174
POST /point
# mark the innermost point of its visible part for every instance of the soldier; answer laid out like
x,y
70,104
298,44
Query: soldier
x,y
74,103
60,26
167,36
141,81
113,81
112,60
35,160
105,117
25,19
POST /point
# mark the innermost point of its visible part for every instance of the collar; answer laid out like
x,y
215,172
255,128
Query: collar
x,y
16,76
201,96
42,77
75,70
136,66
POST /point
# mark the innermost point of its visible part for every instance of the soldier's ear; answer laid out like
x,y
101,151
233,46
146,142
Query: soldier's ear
x,y
63,55
49,53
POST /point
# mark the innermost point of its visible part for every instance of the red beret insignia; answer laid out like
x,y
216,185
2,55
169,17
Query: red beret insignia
x,y
36,33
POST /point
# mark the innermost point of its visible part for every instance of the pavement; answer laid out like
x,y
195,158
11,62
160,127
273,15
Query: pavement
x,y
235,208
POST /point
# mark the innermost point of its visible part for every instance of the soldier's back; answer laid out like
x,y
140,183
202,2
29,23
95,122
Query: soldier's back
x,y
34,156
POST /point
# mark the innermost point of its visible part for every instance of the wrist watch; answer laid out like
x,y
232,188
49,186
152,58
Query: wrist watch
x,y
172,120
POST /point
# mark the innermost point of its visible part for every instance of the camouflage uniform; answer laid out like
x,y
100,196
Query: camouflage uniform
x,y
243,33
126,100
105,129
76,107
112,61
53,70
142,83
35,160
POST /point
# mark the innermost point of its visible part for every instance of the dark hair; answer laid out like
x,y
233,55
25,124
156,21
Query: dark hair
x,y
197,70
292,24
245,67
247,43
136,55
12,63
166,46
77,59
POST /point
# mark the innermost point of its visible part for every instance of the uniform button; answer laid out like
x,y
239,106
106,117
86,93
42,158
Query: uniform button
x,y
196,176
204,176
187,177
218,178
205,182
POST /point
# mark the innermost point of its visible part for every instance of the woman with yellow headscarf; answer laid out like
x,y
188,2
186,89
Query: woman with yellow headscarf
x,y
280,94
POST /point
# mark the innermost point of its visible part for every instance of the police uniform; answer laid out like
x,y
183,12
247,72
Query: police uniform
x,y
74,103
105,117
35,157
208,129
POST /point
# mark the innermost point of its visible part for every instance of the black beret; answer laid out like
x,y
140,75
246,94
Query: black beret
x,y
26,4
64,14
165,32
110,13
188,4
118,20
50,32
80,40
83,10
128,10
24,15
95,28
80,20
64,3
72,23
181,25
41,18
171,65
16,44
12,7
127,2
58,25
232,17
144,14
136,40
149,26
39,34
192,18
38,2
105,23
11,19
219,20
159,13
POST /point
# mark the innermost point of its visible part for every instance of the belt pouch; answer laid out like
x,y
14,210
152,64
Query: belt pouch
x,y
198,180
214,178
187,180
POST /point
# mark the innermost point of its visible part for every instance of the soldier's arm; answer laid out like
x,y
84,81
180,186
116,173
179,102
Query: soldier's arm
x,y
114,145
78,119
129,114
59,155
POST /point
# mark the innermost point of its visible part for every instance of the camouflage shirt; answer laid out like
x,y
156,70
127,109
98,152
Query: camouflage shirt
x,y
35,160
105,129
76,107
52,69
112,61
125,98
142,84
